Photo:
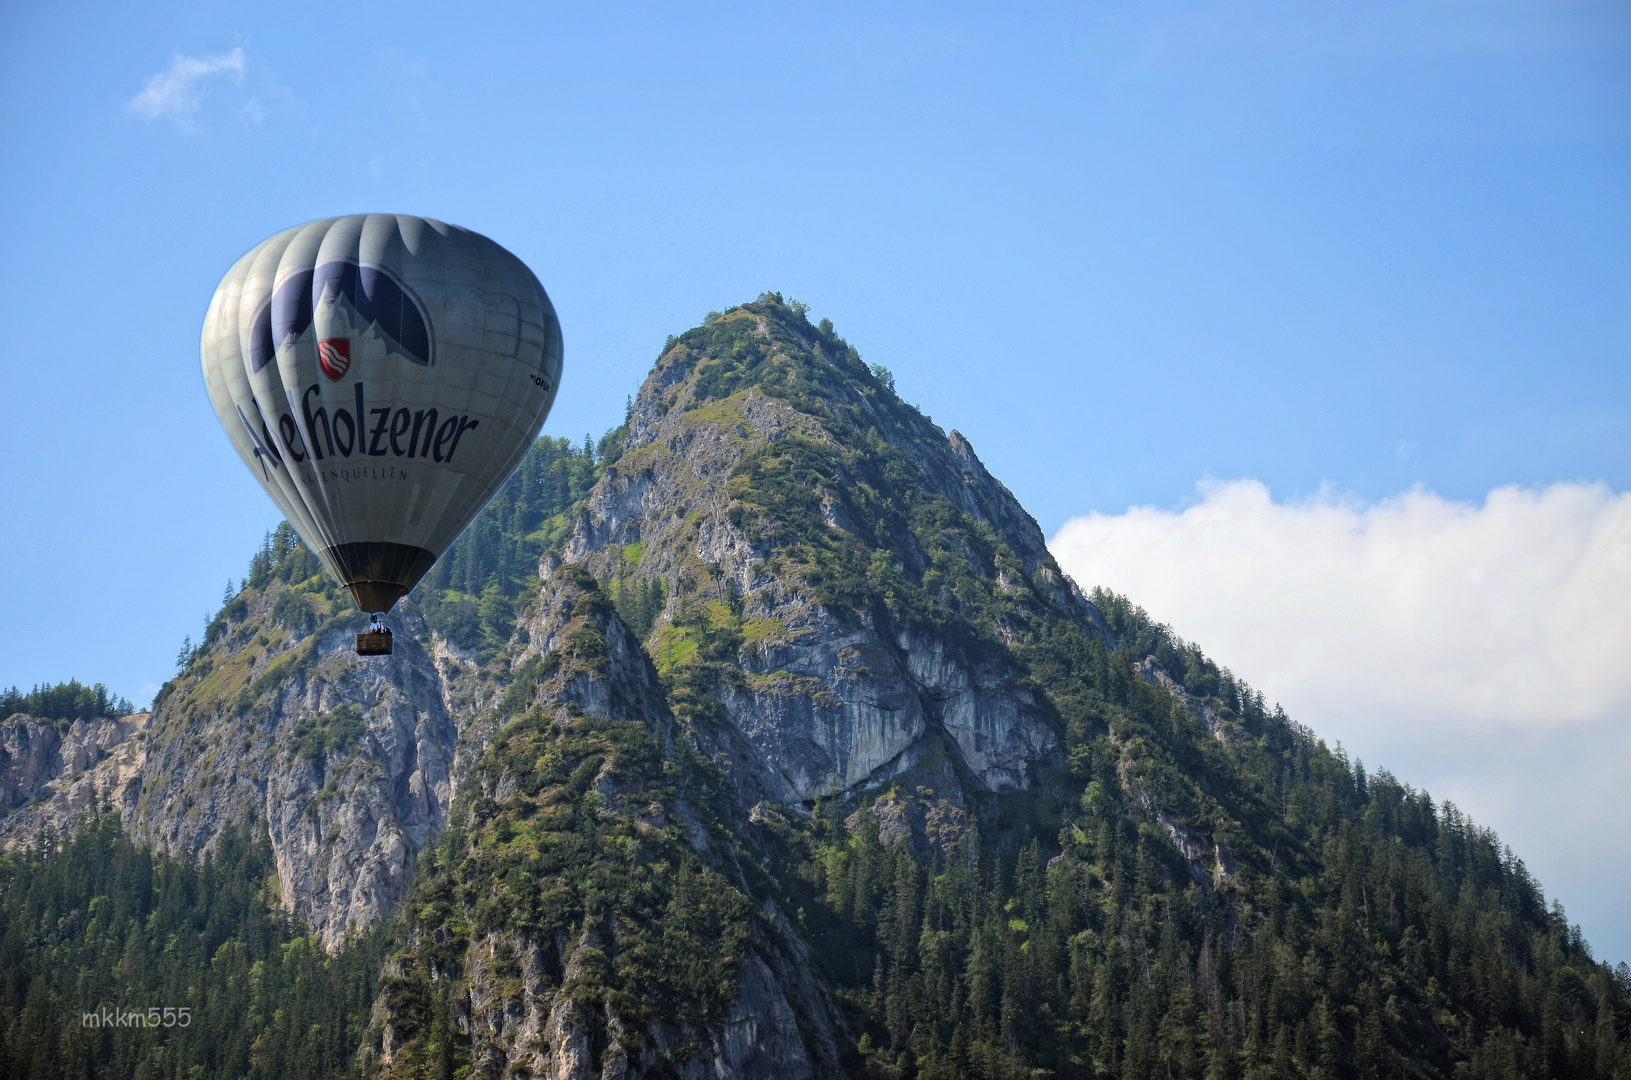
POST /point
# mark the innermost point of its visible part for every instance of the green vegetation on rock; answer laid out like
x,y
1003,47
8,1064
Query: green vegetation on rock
x,y
316,738
1377,934
572,844
470,595
1205,890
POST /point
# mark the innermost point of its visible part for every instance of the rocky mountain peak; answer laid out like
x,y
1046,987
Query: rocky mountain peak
x,y
840,577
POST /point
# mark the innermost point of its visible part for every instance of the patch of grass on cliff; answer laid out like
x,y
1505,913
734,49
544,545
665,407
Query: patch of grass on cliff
x,y
673,649
761,629
701,631
726,415
316,738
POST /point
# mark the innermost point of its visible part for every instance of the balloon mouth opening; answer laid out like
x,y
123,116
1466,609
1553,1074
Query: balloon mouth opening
x,y
379,573
375,597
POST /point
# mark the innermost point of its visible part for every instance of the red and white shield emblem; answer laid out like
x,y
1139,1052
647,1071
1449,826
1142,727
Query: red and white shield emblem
x,y
334,356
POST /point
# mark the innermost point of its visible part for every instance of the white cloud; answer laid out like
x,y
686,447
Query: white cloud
x,y
176,93
1515,612
1482,651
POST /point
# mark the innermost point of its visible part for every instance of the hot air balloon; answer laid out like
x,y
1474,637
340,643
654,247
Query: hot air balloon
x,y
381,376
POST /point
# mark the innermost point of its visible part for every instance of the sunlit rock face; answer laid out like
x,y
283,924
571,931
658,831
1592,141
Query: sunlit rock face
x,y
579,674
346,762
51,776
830,701
766,737
717,534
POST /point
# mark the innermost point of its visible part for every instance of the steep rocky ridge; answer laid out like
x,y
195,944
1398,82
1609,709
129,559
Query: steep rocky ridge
x,y
347,763
950,805
838,692
352,764
590,917
818,636
850,603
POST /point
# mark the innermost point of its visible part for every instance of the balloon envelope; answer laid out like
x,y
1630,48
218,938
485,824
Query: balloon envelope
x,y
381,376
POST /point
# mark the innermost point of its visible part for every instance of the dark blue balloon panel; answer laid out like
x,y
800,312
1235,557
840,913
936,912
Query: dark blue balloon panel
x,y
373,295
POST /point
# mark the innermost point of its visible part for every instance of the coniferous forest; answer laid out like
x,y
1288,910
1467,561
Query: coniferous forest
x,y
96,931
1353,927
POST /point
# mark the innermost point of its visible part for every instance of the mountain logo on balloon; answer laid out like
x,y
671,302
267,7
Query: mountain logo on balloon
x,y
368,294
334,356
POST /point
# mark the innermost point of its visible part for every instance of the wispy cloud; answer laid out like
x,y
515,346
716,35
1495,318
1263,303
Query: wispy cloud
x,y
1480,650
176,93
272,97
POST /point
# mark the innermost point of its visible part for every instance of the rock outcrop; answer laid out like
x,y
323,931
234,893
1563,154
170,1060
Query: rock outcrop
x,y
557,1005
783,662
347,761
50,776
798,757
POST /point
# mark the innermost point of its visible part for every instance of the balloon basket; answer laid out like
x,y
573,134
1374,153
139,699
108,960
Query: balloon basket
x,y
373,644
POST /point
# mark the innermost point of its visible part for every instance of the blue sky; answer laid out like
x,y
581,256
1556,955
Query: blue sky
x,y
1344,250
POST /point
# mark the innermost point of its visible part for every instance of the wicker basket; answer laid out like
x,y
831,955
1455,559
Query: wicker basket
x,y
373,644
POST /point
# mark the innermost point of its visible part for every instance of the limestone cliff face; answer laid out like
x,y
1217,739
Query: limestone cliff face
x,y
808,633
774,666
767,741
347,761
833,700
49,778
